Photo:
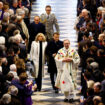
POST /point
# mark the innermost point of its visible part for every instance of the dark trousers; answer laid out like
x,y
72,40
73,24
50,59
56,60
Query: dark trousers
x,y
39,80
52,80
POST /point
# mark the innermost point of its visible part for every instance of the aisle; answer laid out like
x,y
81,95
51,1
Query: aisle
x,y
65,11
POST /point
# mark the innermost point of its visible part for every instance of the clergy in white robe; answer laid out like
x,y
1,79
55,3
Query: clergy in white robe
x,y
67,60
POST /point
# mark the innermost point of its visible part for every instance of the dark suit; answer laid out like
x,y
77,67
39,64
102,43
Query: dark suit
x,y
34,29
52,48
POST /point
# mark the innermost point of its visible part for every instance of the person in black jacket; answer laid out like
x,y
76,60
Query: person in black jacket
x,y
35,28
51,51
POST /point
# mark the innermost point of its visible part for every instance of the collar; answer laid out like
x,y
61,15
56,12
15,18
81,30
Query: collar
x,y
66,49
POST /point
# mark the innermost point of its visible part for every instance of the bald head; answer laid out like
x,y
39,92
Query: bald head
x,y
1,5
36,19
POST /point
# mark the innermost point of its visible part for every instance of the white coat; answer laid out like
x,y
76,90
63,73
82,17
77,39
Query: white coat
x,y
34,56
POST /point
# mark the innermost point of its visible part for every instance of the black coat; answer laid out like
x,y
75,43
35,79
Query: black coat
x,y
34,29
52,48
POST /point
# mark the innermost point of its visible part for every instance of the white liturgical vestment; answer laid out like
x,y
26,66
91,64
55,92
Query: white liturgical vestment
x,y
67,71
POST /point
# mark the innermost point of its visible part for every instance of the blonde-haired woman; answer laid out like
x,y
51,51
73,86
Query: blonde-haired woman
x,y
37,55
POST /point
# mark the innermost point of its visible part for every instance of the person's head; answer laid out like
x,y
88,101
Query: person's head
x,y
5,27
100,52
94,65
15,3
85,2
97,100
2,40
1,5
100,37
13,90
87,75
11,12
56,36
89,60
93,50
97,87
103,3
10,52
90,92
10,76
20,64
36,19
6,99
5,8
66,43
20,12
85,12
23,77
13,19
48,9
13,67
99,10
40,37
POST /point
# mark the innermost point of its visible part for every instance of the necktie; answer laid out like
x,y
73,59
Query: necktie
x,y
48,17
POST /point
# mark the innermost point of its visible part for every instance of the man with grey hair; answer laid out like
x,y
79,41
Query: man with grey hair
x,y
21,13
67,61
6,99
13,91
14,5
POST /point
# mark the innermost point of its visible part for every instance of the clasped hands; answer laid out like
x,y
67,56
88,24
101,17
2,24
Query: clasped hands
x,y
67,60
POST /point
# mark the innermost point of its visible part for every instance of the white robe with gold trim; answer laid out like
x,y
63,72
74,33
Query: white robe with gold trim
x,y
67,71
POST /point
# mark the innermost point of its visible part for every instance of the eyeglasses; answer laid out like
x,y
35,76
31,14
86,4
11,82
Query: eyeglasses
x,y
48,10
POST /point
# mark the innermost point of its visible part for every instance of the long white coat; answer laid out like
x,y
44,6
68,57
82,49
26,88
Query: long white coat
x,y
34,56
66,76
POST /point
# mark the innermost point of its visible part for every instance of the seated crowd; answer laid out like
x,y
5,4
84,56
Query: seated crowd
x,y
90,27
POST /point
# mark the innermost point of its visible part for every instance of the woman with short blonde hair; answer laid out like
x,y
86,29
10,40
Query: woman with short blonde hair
x,y
37,55
38,35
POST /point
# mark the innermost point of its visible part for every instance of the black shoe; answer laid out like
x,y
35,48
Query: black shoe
x,y
66,100
71,100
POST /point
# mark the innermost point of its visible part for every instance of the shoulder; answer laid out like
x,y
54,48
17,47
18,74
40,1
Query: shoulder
x,y
45,43
34,43
72,49
52,14
60,42
43,14
60,50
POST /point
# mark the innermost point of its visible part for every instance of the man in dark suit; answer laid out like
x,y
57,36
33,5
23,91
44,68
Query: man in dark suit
x,y
35,28
51,51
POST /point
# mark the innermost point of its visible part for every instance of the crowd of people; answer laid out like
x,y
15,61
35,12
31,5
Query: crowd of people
x,y
22,50
25,47
90,28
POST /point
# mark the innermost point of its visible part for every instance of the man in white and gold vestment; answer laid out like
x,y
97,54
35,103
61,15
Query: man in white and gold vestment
x,y
67,60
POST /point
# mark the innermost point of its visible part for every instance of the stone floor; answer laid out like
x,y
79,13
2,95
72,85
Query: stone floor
x,y
65,11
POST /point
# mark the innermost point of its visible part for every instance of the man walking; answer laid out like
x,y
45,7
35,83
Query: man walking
x,y
35,28
49,20
51,51
67,60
